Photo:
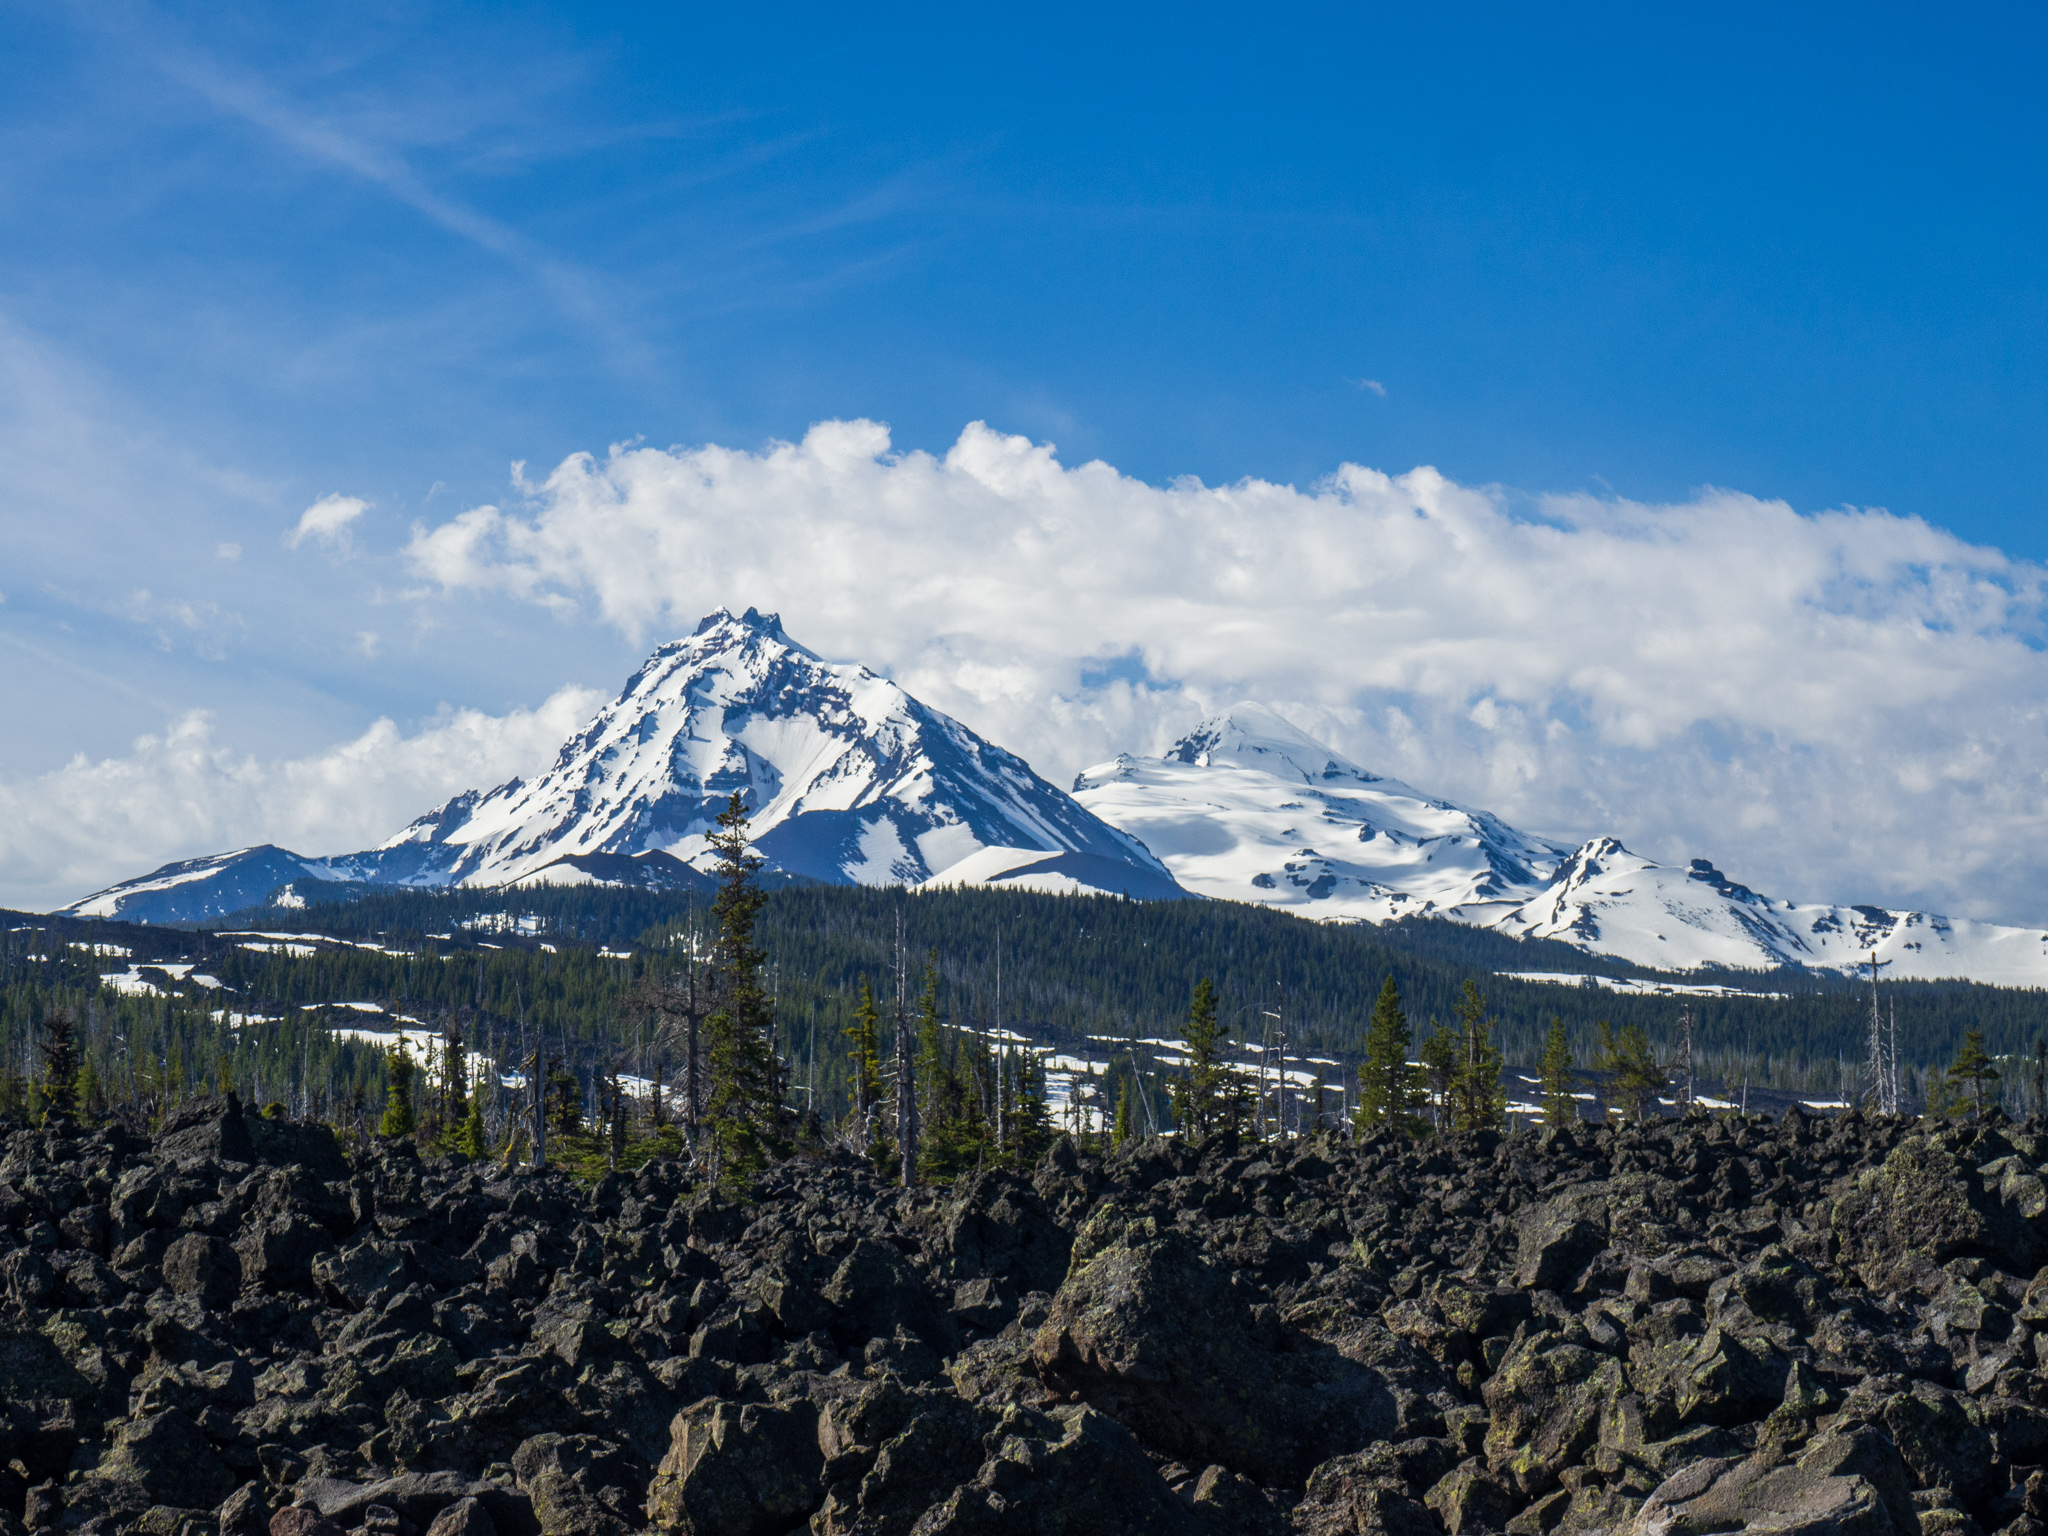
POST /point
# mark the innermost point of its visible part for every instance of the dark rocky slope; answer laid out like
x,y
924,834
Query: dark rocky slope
x,y
1686,1328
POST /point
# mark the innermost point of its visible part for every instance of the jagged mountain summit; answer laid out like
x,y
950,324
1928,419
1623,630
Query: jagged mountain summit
x,y
1249,808
849,778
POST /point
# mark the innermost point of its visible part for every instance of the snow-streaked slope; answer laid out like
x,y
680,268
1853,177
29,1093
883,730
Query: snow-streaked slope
x,y
1249,808
1617,902
848,778
192,890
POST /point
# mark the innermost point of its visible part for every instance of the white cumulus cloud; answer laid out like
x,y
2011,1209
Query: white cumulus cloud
x,y
327,520
66,833
1845,705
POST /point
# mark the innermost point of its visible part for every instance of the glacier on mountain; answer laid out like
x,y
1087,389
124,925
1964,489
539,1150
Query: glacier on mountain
x,y
1249,808
848,778
852,780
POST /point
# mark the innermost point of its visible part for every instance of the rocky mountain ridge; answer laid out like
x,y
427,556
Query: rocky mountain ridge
x,y
1692,1326
848,779
1247,807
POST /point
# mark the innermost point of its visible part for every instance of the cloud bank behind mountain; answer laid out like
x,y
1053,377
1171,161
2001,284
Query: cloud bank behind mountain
x,y
1846,704
1842,705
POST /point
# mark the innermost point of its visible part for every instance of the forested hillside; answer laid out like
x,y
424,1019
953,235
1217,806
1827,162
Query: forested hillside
x,y
563,965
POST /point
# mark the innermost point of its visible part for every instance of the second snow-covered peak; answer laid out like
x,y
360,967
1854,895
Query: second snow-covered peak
x,y
1249,807
1250,735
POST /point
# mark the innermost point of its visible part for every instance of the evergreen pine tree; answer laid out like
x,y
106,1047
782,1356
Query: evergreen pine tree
x,y
565,1095
1439,1056
1386,1084
454,1086
1198,1095
1635,1075
1124,1129
1478,1101
398,1111
935,1086
865,1053
1034,1128
59,1047
1556,1075
471,1141
744,1114
91,1095
1973,1066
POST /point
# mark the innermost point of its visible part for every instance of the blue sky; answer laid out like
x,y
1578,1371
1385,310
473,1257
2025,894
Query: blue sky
x,y
257,256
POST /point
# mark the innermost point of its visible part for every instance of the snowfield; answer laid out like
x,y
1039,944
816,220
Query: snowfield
x,y
853,781
1248,808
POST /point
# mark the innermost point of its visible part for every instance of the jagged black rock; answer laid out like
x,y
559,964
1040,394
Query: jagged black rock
x,y
1691,1326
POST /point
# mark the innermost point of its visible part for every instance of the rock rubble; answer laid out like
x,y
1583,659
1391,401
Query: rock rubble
x,y
1695,1326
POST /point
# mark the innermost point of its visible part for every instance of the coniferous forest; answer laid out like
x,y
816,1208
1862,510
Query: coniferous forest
x,y
579,987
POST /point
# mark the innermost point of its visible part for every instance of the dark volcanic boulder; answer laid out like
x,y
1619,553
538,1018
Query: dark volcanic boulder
x,y
874,1292
580,1485
928,1444
1560,1237
1349,1495
211,1130
738,1471
278,1252
1921,1207
204,1267
998,1229
1546,1405
1168,1342
1844,1485
1072,1472
164,1459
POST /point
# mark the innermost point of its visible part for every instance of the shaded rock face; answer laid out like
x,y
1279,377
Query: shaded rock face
x,y
245,1329
1179,1349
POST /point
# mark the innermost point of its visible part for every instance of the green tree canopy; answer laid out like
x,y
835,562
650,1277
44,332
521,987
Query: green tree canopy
x,y
1198,1095
744,1112
1556,1075
1635,1076
1478,1101
1387,1095
1972,1069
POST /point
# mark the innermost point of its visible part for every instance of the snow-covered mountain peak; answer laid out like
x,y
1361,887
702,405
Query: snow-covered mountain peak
x,y
846,776
1252,736
1248,808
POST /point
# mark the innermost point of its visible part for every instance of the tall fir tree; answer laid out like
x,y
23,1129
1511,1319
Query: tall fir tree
x,y
934,1081
744,1111
1386,1083
398,1079
1034,1127
865,1120
1635,1077
1478,1100
1973,1068
1198,1097
1439,1056
471,1139
1555,1073
59,1048
454,1085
